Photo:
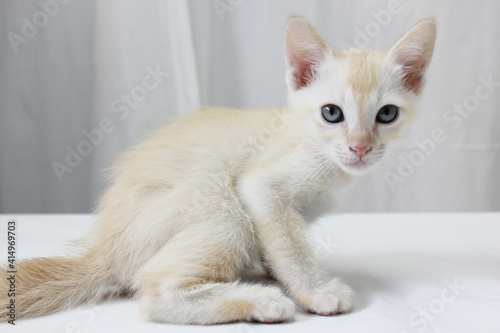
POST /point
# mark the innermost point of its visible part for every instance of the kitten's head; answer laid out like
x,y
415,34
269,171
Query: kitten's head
x,y
355,104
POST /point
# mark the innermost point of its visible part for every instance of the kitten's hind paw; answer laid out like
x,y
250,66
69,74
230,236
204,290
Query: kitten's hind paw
x,y
274,308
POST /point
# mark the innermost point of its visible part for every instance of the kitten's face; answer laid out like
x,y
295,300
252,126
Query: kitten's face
x,y
355,105
355,108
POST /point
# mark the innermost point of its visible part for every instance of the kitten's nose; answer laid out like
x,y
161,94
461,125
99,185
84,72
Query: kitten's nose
x,y
360,150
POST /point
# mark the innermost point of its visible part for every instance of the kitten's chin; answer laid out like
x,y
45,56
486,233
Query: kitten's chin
x,y
357,168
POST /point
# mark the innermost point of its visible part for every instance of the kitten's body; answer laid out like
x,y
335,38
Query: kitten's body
x,y
222,190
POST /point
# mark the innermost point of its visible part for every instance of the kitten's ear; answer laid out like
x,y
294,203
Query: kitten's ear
x,y
305,50
414,52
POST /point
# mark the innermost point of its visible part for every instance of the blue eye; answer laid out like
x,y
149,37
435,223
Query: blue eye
x,y
332,113
387,114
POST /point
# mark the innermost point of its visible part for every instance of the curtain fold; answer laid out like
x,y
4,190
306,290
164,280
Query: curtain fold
x,y
82,81
145,73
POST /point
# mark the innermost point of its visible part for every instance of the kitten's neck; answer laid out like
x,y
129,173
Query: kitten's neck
x,y
296,166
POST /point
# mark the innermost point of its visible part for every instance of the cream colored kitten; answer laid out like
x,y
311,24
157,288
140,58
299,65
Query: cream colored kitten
x,y
221,190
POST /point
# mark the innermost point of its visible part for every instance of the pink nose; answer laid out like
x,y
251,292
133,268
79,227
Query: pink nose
x,y
360,150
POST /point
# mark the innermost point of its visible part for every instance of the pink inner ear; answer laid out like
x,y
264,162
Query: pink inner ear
x,y
304,63
305,50
414,74
303,73
414,52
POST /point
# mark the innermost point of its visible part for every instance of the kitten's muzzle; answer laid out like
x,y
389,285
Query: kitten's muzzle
x,y
361,150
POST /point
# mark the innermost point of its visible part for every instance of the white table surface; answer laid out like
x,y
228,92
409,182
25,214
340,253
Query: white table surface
x,y
401,266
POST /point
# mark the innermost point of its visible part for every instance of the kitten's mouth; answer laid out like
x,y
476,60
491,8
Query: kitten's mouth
x,y
357,166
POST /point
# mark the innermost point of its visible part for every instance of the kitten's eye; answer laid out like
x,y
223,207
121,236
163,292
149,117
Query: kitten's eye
x,y
387,114
332,113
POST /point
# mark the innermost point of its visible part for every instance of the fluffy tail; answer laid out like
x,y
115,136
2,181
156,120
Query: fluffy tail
x,y
45,285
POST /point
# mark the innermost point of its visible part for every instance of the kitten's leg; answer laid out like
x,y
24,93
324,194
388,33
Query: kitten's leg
x,y
281,233
214,303
191,283
192,279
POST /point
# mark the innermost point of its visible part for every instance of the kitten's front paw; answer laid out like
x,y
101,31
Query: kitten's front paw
x,y
328,299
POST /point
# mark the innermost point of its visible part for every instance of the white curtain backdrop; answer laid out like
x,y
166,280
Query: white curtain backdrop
x,y
145,72
81,81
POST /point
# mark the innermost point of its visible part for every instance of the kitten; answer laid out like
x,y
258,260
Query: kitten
x,y
219,191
